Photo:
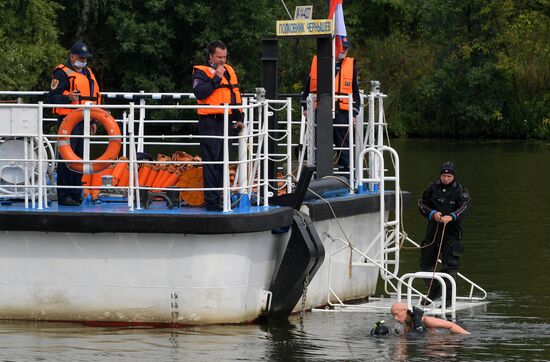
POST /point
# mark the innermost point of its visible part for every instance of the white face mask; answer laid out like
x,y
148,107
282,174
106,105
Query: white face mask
x,y
79,64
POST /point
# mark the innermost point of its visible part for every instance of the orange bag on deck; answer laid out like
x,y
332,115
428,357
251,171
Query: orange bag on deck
x,y
119,169
191,178
144,171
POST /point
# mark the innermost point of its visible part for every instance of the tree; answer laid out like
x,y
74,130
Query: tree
x,y
29,47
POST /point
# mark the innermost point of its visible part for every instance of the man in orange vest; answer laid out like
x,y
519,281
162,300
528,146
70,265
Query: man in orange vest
x,y
345,83
73,83
215,83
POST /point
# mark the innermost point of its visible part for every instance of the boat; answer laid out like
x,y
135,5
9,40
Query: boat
x,y
117,260
134,254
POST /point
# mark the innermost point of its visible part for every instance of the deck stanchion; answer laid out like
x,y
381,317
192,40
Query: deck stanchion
x,y
141,130
132,142
266,154
41,192
289,144
226,192
351,148
86,165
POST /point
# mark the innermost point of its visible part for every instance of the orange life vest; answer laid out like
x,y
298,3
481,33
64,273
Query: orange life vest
x,y
220,95
79,81
342,82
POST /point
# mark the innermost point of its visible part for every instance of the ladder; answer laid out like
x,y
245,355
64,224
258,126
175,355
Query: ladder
x,y
386,244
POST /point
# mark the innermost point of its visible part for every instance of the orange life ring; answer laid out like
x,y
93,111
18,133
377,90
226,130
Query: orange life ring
x,y
64,144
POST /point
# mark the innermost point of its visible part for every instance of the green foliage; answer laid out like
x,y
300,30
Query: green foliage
x,y
28,43
471,68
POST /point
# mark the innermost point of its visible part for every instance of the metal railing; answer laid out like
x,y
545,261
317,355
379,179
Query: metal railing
x,y
253,141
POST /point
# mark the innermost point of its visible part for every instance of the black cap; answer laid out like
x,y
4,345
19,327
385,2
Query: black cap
x,y
81,49
448,167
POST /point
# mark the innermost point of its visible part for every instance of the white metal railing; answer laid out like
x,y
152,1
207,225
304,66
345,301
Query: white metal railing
x,y
472,285
367,140
389,230
253,141
440,278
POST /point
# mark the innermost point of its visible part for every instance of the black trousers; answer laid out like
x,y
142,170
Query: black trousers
x,y
451,251
212,150
66,176
341,139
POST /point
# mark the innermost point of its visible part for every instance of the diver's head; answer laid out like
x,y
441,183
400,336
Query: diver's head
x,y
399,312
380,329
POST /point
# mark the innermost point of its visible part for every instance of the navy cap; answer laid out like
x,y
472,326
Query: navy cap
x,y
448,167
81,49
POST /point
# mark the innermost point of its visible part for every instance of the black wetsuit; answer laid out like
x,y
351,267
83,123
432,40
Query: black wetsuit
x,y
453,200
416,324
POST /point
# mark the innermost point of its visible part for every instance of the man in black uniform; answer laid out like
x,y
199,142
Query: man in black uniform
x,y
73,83
445,203
215,83
345,83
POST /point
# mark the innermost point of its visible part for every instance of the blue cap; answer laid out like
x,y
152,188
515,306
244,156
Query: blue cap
x,y
81,49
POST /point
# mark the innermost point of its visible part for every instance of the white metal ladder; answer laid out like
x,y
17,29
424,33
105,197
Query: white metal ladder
x,y
388,239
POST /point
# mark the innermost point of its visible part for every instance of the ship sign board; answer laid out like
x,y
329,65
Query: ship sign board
x,y
312,27
304,12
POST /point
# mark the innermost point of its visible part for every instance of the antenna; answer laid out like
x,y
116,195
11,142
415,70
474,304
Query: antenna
x,y
288,12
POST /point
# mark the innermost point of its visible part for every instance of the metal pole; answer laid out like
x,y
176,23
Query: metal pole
x,y
351,143
86,166
289,144
40,155
325,89
226,193
124,129
242,168
132,142
266,154
373,161
270,48
141,130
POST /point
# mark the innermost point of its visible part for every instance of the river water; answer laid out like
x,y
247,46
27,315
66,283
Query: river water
x,y
507,253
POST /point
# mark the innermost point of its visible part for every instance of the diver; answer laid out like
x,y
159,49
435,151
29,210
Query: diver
x,y
380,329
415,320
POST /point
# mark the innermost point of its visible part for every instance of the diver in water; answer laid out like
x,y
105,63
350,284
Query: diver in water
x,y
415,320
380,329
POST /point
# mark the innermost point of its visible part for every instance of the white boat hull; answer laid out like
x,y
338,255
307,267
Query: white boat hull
x,y
346,282
136,278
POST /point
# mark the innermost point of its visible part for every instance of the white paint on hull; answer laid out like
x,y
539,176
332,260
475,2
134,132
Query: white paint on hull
x,y
170,278
167,278
362,231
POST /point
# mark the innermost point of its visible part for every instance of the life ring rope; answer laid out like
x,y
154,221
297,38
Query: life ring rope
x,y
68,154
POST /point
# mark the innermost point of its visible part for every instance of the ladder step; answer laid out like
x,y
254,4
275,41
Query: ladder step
x,y
369,264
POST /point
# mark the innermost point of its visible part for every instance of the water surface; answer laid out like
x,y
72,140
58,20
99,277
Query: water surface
x,y
507,252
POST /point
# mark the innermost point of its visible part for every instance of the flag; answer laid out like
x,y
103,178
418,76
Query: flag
x,y
336,12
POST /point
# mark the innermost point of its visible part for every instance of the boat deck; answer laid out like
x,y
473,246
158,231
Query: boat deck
x,y
383,305
120,206
117,217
